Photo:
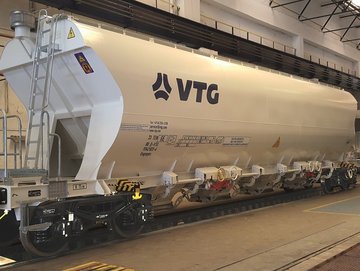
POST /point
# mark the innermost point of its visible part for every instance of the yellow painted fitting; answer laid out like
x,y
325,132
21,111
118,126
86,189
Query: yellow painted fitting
x,y
137,194
4,214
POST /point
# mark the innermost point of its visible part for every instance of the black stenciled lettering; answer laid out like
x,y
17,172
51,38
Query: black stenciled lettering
x,y
212,99
184,92
199,86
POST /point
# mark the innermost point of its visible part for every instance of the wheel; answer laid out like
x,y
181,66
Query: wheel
x,y
126,224
344,184
345,177
45,243
327,186
9,228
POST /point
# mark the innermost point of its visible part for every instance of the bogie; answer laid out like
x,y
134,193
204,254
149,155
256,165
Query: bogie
x,y
54,223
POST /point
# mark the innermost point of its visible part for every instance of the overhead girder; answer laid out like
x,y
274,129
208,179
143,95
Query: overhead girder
x,y
343,8
330,16
284,4
303,10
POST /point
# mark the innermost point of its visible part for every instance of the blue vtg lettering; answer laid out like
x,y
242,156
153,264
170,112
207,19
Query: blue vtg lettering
x,y
212,95
162,89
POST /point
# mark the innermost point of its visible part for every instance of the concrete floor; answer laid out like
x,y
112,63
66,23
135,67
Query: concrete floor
x,y
264,239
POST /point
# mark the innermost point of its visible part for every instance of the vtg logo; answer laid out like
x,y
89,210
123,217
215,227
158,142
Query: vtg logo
x,y
211,90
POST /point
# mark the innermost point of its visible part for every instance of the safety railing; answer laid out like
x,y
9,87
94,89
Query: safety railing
x,y
59,155
273,44
45,125
330,64
168,6
16,139
17,142
245,34
225,27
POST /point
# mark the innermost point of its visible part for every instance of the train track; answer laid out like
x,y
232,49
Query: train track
x,y
100,237
316,253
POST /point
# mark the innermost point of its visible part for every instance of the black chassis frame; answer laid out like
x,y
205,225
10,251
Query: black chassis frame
x,y
82,213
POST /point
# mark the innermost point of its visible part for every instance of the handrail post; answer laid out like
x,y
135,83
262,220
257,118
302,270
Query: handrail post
x,y
44,112
20,137
4,119
15,151
59,154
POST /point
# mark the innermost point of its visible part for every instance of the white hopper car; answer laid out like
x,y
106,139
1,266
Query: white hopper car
x,y
136,114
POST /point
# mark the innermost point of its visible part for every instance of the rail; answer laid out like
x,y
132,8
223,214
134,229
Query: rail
x,y
41,137
59,155
163,5
242,33
4,121
330,64
172,8
17,140
251,36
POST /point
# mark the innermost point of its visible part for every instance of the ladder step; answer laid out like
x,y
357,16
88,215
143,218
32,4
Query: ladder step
x,y
31,158
37,125
33,141
44,48
46,31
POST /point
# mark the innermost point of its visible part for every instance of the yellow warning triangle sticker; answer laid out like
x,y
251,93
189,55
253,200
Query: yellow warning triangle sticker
x,y
71,34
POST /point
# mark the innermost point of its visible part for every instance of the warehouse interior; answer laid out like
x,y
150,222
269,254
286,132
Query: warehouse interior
x,y
302,43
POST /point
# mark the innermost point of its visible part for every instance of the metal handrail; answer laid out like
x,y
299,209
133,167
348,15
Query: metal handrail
x,y
20,138
284,47
15,151
5,130
274,44
59,154
41,136
49,68
168,3
324,62
4,120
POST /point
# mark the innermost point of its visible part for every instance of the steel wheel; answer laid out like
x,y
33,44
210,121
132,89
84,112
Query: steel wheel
x,y
327,186
45,243
126,224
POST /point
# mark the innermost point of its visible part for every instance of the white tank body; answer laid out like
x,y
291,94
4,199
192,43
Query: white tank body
x,y
216,113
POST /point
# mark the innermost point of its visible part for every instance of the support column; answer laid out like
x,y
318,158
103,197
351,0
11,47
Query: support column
x,y
189,9
357,68
298,43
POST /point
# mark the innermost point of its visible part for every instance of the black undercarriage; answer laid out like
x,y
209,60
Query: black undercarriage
x,y
47,228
